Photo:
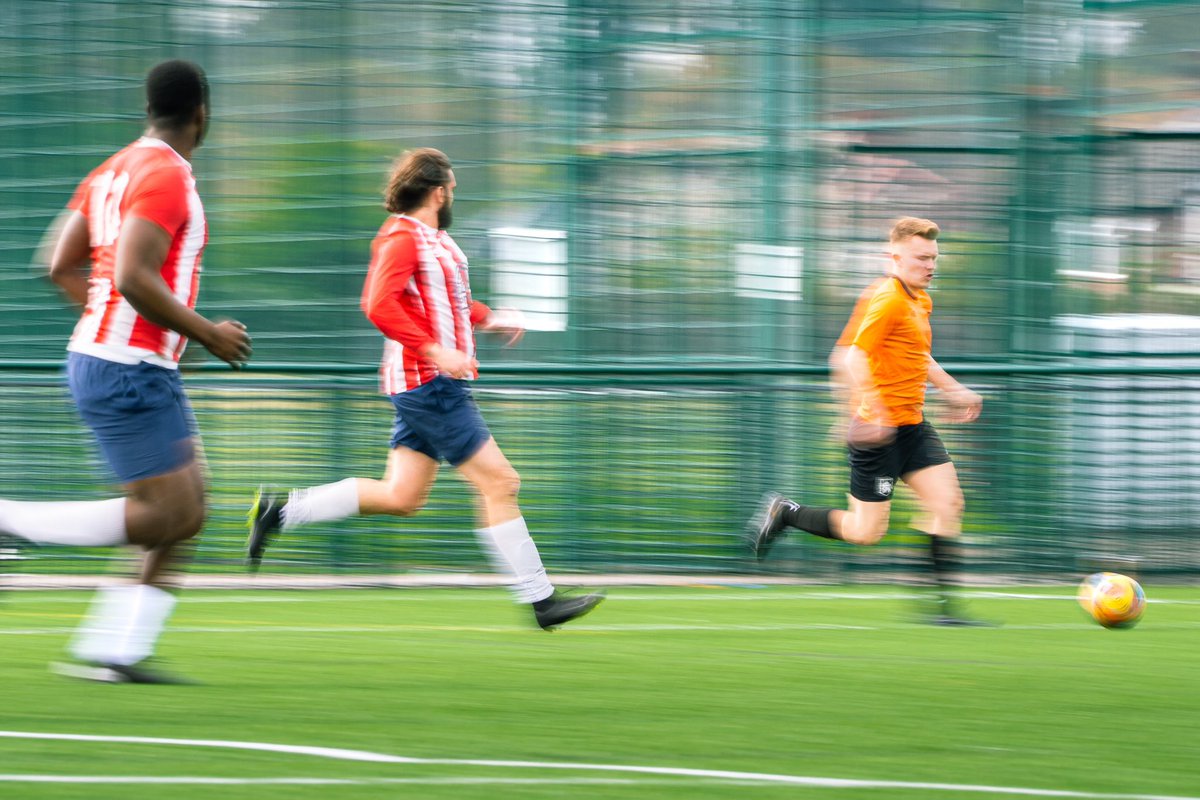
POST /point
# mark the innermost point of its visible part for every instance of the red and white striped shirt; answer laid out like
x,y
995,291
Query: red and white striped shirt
x,y
147,179
417,293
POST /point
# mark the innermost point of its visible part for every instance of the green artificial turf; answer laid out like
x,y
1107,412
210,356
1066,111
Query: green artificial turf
x,y
800,682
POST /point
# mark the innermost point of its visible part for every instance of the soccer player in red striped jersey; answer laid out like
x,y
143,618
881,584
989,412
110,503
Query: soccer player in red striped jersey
x,y
418,294
127,250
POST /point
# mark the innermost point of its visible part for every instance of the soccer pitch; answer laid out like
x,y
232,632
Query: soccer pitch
x,y
704,691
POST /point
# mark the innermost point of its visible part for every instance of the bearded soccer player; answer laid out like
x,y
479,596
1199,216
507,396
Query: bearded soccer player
x,y
417,293
127,250
888,363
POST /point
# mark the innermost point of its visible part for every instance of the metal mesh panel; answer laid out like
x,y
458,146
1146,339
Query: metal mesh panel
x,y
624,473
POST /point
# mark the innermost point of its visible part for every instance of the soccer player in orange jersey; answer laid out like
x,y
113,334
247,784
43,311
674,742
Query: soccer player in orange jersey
x,y
127,251
888,363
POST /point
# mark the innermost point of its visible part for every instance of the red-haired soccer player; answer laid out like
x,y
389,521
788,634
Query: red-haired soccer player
x,y
418,295
888,363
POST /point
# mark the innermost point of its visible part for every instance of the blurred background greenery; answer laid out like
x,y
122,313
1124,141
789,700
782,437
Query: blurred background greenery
x,y
685,197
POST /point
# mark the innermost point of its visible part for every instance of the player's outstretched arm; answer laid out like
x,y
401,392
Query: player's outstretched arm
x,y
141,251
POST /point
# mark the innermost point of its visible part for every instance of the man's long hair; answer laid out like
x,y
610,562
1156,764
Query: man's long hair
x,y
414,175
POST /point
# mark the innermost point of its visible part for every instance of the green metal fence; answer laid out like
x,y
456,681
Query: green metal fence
x,y
690,185
656,470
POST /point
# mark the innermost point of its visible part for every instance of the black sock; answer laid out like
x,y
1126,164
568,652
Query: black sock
x,y
944,563
810,519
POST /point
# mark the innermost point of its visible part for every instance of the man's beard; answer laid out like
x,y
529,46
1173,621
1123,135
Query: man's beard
x,y
445,217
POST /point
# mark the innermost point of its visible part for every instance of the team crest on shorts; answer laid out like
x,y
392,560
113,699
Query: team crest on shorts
x,y
883,486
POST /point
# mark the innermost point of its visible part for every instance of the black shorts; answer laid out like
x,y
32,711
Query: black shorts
x,y
874,470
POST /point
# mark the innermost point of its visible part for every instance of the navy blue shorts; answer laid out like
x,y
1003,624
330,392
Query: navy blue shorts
x,y
138,412
874,470
441,420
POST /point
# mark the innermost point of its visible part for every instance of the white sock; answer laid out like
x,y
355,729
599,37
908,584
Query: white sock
x,y
123,624
94,523
331,501
514,554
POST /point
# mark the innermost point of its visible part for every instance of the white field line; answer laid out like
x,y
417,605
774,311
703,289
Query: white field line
x,y
720,594
418,628
630,628
704,775
473,580
462,580
205,781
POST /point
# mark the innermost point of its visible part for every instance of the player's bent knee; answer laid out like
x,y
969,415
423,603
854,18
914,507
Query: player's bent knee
x,y
863,537
405,508
181,523
192,520
402,503
505,486
867,534
951,508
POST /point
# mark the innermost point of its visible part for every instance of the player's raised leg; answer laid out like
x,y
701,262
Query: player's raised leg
x,y
402,492
863,523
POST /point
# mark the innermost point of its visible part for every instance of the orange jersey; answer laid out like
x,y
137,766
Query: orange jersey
x,y
860,311
896,336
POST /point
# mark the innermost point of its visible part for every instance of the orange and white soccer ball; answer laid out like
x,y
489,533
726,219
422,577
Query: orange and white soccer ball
x,y
1113,600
